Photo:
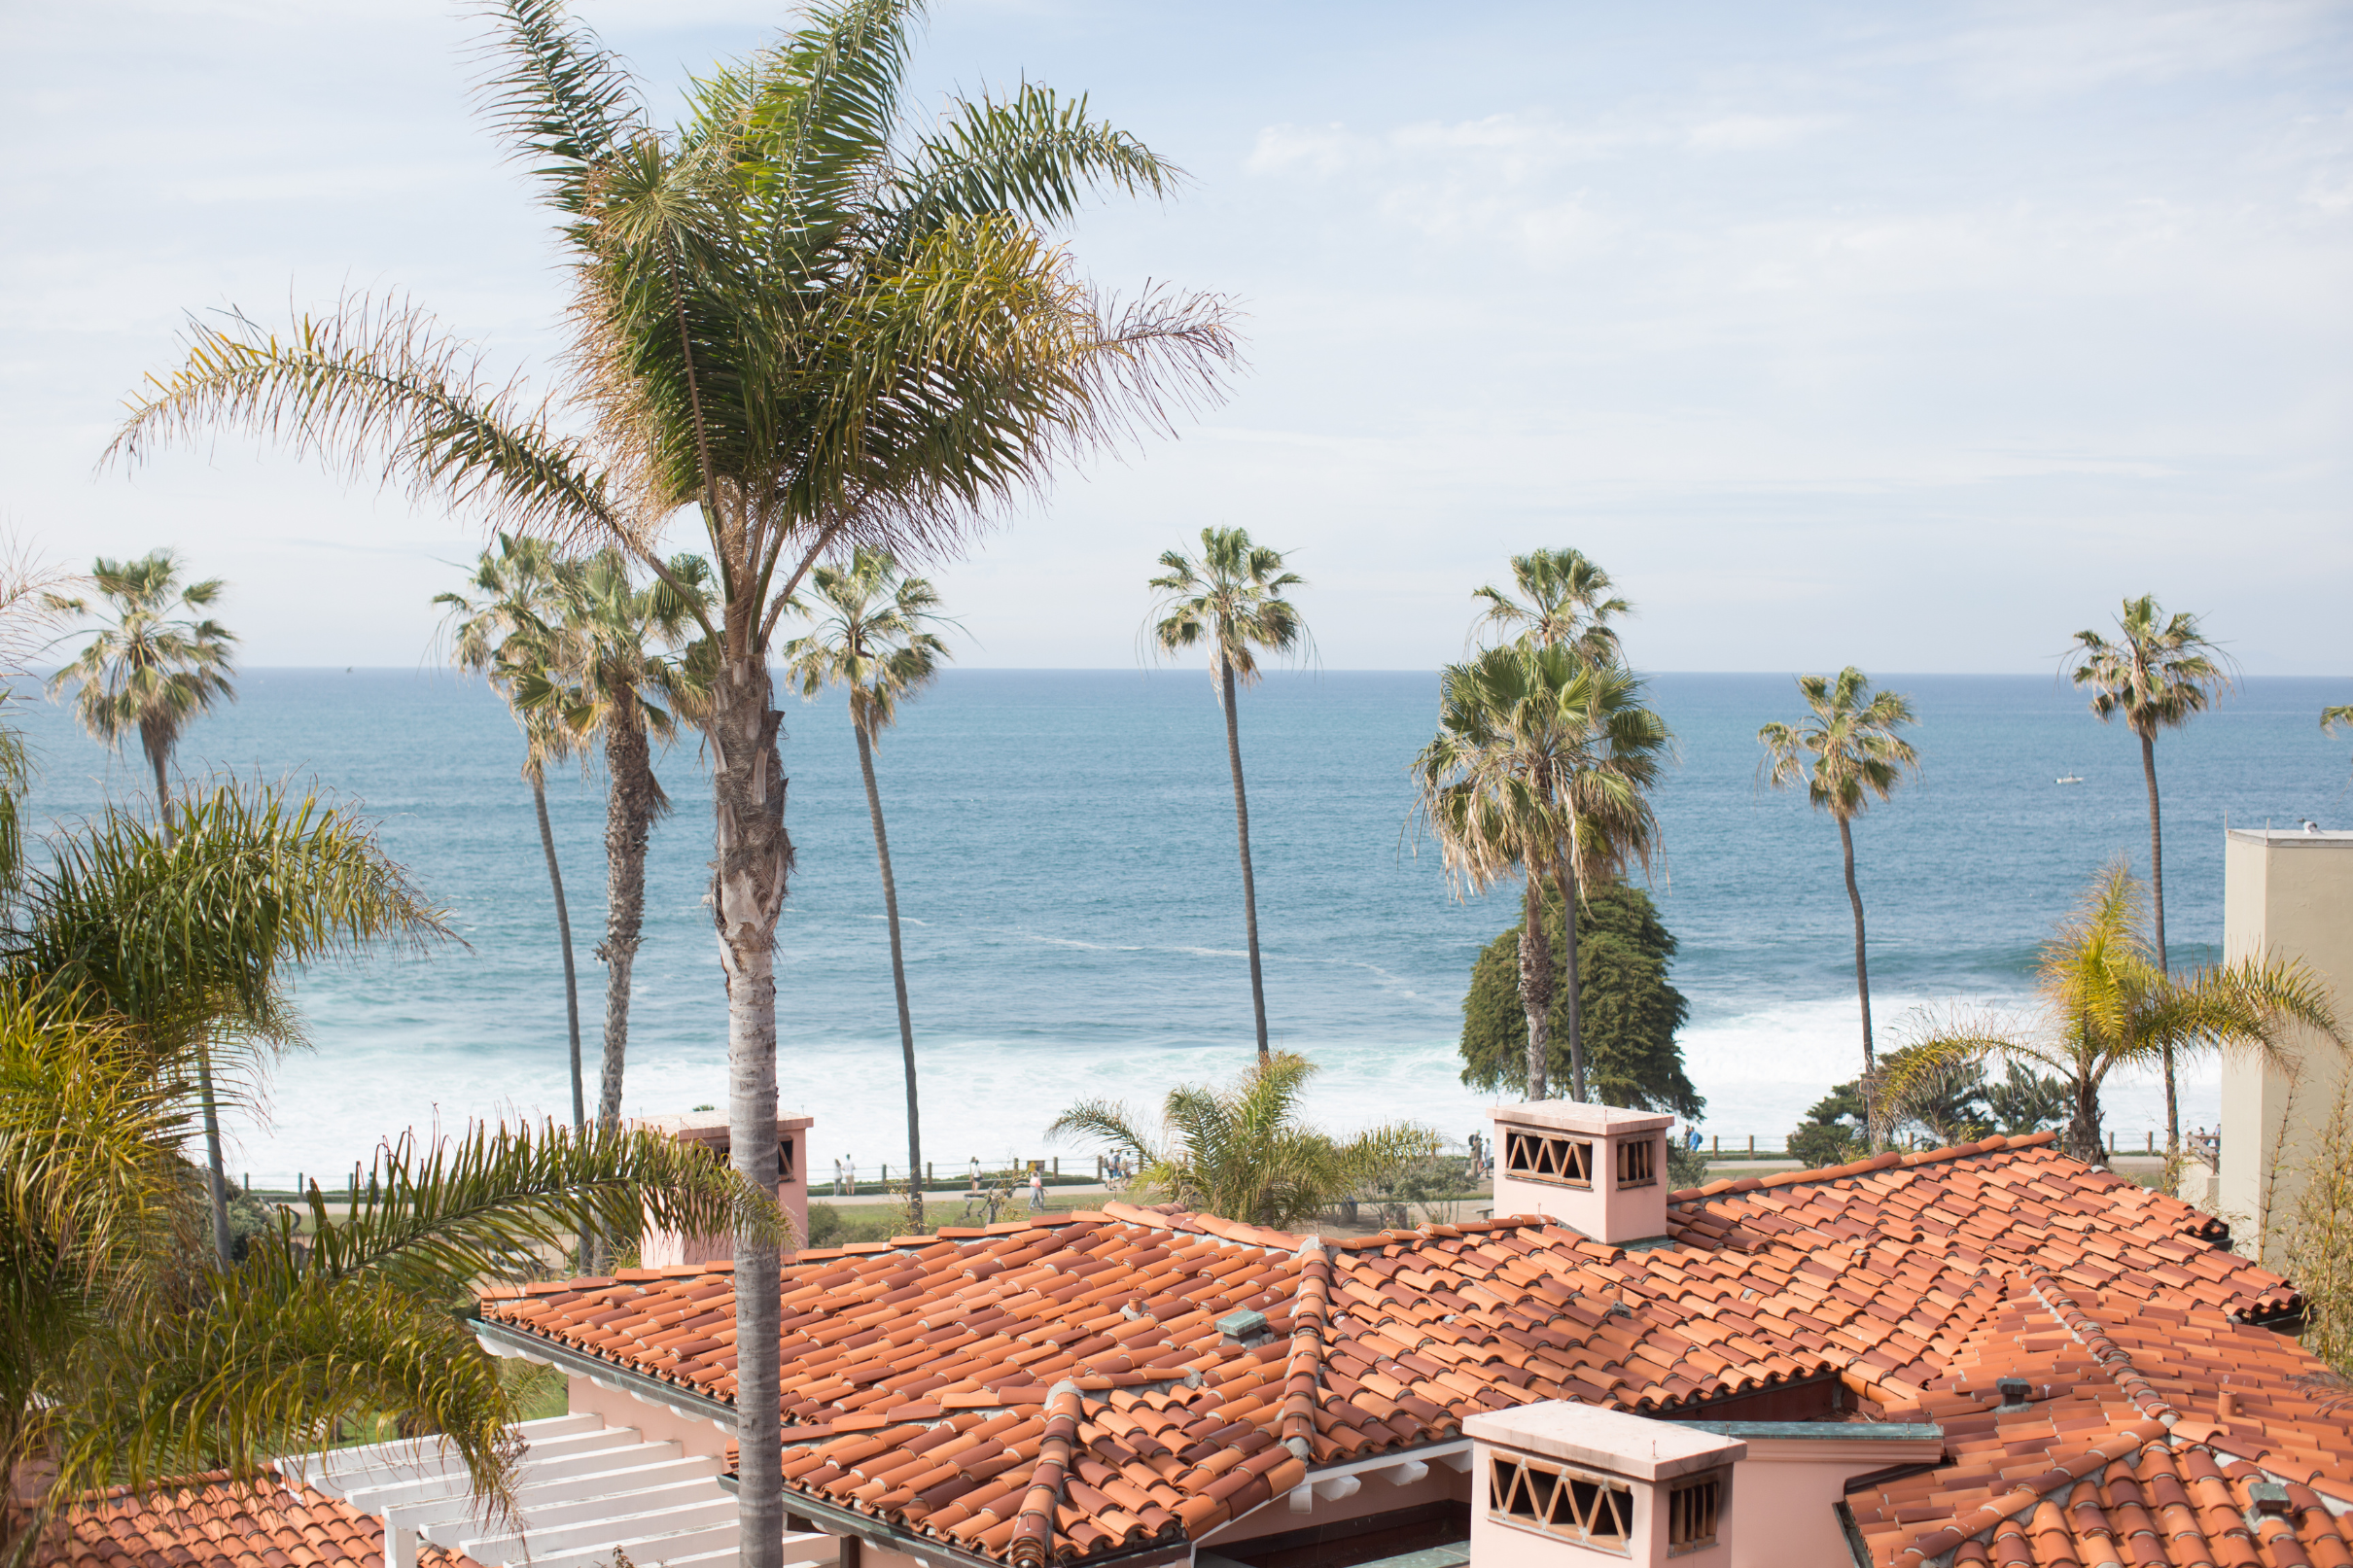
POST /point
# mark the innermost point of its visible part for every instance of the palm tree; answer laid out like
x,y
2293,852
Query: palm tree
x,y
2333,718
1846,753
1231,599
2107,1002
1243,1152
499,635
874,640
820,322
1564,598
152,673
2158,674
1543,763
613,666
148,673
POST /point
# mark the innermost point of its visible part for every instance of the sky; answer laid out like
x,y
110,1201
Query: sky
x,y
1914,337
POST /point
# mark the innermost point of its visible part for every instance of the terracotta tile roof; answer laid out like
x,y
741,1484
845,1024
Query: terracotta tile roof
x,y
209,1521
1055,1389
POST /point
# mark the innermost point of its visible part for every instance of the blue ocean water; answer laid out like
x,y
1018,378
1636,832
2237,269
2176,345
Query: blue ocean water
x,y
1064,853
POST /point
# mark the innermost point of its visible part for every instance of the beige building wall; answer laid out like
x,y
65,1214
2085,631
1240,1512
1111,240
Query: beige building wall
x,y
2285,894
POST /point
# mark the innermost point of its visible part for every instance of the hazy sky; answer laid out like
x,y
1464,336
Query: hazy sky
x,y
1911,336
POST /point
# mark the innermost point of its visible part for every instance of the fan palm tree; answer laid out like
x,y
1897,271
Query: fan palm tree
x,y
2107,1002
148,673
1231,599
2158,672
1847,753
1564,598
820,322
613,666
1243,1152
500,631
873,639
1543,764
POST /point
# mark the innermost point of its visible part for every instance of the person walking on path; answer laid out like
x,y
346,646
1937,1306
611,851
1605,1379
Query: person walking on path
x,y
1037,1191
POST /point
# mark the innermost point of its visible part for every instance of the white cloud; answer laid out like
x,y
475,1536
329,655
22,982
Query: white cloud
x,y
1750,133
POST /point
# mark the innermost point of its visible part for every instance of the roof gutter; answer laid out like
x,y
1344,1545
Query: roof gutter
x,y
501,1340
930,1550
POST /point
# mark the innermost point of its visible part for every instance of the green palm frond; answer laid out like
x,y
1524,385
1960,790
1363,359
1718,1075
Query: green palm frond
x,y
2158,672
1850,752
1231,601
487,1205
1243,1152
872,637
1564,599
557,97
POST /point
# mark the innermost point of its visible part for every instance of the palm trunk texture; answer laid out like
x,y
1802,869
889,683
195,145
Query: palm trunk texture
x,y
216,1179
216,1172
752,858
1535,985
1569,984
1862,986
632,800
899,980
563,929
1242,829
2156,903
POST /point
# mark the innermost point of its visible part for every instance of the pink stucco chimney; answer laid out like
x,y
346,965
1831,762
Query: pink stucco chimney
x,y
1595,1168
1559,1484
659,1249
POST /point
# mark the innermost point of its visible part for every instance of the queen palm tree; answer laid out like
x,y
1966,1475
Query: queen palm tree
x,y
873,639
501,632
152,673
1231,601
820,322
2107,1002
1564,598
1847,753
1243,1152
2333,718
1543,765
614,666
2157,673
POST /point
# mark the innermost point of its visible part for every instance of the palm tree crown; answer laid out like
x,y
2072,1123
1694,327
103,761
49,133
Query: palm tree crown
x,y
2108,1005
1849,753
1243,1152
1542,765
1564,598
1230,601
871,637
150,672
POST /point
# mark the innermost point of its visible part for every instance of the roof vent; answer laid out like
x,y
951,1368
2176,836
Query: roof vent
x,y
2013,1392
2268,1497
1243,1324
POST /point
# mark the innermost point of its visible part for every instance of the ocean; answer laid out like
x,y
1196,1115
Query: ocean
x,y
1063,845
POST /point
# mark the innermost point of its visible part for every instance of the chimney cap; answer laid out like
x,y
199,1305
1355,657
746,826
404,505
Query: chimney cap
x,y
1243,1324
1635,1446
1576,1116
2268,1497
2013,1392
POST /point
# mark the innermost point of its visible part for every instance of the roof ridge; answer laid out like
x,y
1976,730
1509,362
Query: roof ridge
x,y
1032,1540
1303,1377
2111,1357
1998,1143
2028,1494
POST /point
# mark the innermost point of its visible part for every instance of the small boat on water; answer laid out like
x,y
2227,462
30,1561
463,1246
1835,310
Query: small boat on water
x,y
2072,778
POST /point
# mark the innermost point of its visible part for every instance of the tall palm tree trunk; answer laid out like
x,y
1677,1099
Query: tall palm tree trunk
x,y
563,928
1535,985
1862,984
631,801
1568,882
753,860
1242,829
216,1179
216,1169
2157,902
898,979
